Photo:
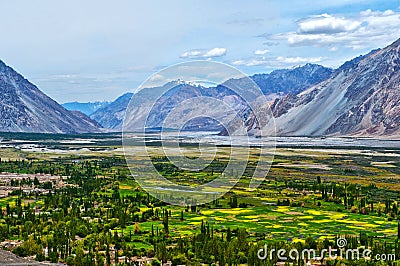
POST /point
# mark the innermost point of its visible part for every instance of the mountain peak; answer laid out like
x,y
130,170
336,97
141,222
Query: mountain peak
x,y
183,82
396,43
3,66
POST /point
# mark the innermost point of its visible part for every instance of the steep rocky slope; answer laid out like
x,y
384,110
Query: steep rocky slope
x,y
362,98
24,108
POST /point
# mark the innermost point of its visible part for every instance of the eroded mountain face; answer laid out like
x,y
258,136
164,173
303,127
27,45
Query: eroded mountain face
x,y
24,108
361,98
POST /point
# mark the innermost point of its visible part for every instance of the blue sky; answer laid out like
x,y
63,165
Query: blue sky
x,y
97,50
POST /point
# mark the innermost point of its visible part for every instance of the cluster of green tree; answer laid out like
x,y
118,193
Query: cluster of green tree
x,y
65,167
234,247
354,197
82,223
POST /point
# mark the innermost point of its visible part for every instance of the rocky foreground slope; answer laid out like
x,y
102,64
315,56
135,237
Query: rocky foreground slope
x,y
24,108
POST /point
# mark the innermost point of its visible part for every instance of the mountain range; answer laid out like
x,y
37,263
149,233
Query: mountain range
x,y
360,98
277,83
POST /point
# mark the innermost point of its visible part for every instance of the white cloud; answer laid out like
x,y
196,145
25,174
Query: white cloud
x,y
326,24
369,12
298,59
250,62
215,52
367,29
190,54
261,52
277,62
201,53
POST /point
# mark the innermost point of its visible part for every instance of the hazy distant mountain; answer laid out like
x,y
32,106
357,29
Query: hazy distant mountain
x,y
112,115
86,108
361,98
24,108
275,84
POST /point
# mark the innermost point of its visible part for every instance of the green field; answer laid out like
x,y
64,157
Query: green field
x,y
310,197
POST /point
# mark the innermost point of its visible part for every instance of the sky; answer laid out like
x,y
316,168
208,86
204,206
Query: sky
x,y
96,50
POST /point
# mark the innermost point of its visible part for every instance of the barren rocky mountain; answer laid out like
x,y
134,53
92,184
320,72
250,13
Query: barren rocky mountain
x,y
176,103
291,81
276,84
361,98
24,108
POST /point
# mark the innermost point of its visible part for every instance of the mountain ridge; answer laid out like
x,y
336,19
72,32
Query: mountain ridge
x,y
360,99
298,79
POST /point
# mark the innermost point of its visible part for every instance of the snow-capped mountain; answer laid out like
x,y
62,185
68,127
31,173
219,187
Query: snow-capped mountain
x,y
275,84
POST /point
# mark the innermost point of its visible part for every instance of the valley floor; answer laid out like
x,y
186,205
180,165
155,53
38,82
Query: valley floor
x,y
76,202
